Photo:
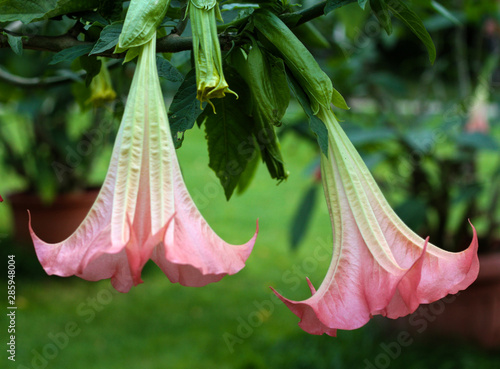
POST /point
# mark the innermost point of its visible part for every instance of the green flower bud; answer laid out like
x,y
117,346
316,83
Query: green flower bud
x,y
210,81
101,90
301,62
265,77
143,17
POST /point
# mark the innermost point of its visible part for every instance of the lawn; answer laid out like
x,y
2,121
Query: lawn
x,y
236,323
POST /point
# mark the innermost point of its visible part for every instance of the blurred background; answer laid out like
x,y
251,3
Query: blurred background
x,y
430,134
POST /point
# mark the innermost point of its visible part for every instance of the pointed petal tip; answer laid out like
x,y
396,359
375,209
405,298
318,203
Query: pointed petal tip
x,y
251,241
281,297
309,321
41,249
311,287
472,260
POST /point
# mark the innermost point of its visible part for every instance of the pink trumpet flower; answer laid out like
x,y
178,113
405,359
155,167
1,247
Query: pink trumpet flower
x,y
379,265
143,210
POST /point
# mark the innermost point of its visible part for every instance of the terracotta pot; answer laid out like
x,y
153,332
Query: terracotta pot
x,y
473,314
54,222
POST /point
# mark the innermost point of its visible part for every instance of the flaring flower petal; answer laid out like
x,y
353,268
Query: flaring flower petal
x,y
379,266
143,210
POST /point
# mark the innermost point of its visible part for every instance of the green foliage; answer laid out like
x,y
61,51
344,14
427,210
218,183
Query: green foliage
x,y
272,41
91,65
70,54
298,59
411,19
28,11
184,109
445,12
167,70
316,124
230,141
108,38
110,10
334,4
15,42
362,3
266,79
278,56
478,141
381,10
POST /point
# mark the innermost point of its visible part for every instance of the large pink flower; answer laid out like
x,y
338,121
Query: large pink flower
x,y
143,210
379,265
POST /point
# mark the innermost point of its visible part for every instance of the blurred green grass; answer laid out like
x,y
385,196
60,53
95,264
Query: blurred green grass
x,y
235,323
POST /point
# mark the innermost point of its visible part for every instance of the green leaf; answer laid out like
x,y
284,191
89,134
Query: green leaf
x,y
248,174
266,80
167,70
334,4
25,11
108,38
298,59
303,216
28,11
408,17
15,43
269,146
316,124
362,3
321,132
277,77
71,53
110,9
91,65
338,100
381,11
184,109
309,35
131,54
94,19
230,141
445,13
477,141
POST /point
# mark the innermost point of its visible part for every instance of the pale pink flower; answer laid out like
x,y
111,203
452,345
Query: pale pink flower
x,y
379,265
143,210
478,118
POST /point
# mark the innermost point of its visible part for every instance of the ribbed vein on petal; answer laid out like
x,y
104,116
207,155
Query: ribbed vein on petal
x,y
379,266
143,210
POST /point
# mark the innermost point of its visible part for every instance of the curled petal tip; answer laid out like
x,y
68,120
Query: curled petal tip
x,y
143,210
309,317
311,287
379,266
